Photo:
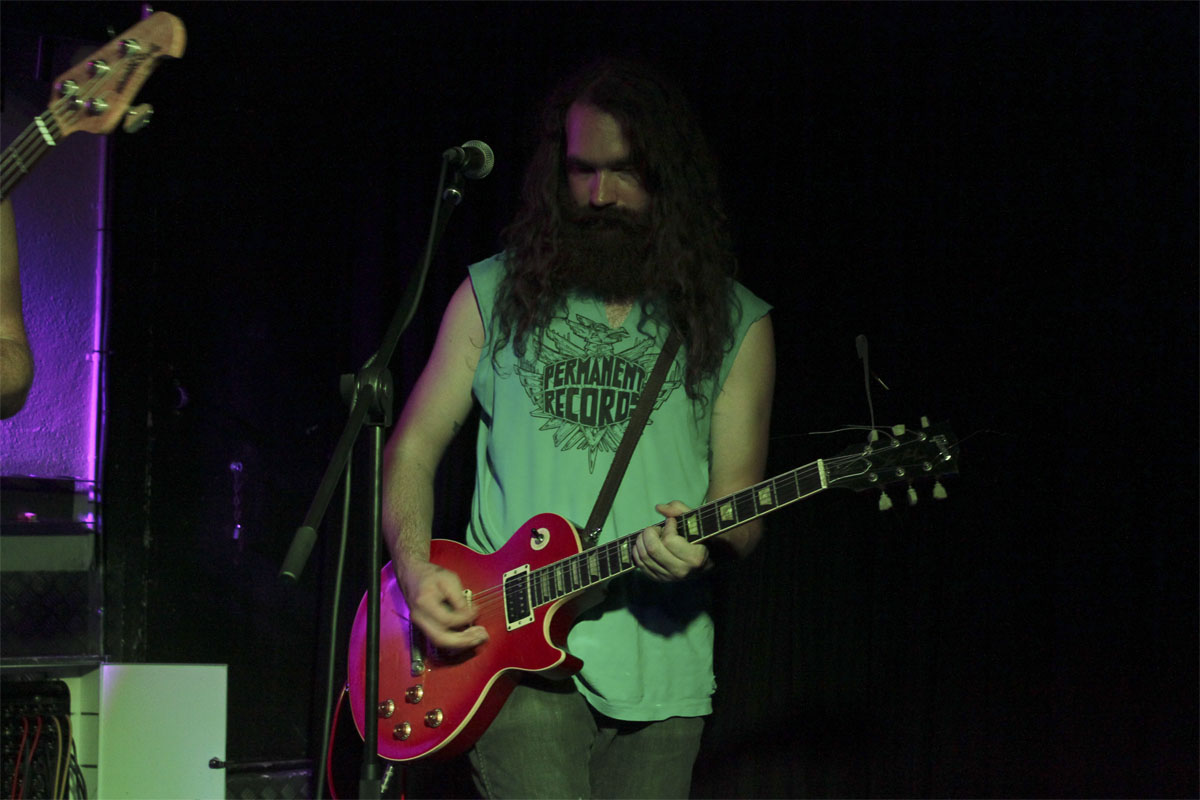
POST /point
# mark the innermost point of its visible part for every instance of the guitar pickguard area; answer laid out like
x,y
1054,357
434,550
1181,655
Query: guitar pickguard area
x,y
518,609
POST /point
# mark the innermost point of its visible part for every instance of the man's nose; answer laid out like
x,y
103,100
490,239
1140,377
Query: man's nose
x,y
601,190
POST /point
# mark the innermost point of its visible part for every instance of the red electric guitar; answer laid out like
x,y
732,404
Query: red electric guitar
x,y
94,95
437,704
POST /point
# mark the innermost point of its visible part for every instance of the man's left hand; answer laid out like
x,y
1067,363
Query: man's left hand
x,y
663,554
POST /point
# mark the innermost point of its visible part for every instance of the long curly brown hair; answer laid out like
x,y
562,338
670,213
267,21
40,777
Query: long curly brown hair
x,y
692,252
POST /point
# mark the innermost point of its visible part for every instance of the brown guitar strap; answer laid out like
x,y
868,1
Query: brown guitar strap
x,y
633,431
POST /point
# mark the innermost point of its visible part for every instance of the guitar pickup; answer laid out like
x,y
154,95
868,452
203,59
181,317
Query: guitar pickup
x,y
518,610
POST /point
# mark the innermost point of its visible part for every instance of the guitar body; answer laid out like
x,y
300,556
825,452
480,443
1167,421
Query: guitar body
x,y
468,688
529,592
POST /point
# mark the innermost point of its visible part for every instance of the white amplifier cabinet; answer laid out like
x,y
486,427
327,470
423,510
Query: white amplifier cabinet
x,y
149,731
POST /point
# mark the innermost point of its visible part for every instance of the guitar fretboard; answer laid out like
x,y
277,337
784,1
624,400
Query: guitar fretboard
x,y
608,560
19,157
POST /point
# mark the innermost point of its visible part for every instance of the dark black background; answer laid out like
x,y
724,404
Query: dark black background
x,y
1001,197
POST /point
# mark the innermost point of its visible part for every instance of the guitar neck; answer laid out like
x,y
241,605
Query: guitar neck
x,y
611,559
27,149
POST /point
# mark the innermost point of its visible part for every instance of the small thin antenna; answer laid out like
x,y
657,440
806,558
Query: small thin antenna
x,y
860,342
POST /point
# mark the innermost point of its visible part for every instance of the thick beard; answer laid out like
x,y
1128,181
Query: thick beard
x,y
605,252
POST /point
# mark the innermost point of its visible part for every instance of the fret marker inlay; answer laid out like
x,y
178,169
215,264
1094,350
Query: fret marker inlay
x,y
44,131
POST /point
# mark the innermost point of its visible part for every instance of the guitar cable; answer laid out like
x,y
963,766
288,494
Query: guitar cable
x,y
387,772
337,712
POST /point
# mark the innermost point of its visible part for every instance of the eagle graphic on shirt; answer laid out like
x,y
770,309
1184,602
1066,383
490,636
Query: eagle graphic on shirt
x,y
584,386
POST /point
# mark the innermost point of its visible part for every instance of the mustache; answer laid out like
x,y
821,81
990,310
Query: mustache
x,y
606,218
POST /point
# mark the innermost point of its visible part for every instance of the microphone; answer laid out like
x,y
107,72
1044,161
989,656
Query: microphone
x,y
474,159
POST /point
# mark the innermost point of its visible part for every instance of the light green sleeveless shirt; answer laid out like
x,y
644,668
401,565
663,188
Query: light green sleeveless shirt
x,y
550,424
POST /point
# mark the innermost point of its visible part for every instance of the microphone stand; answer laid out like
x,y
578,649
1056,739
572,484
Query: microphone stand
x,y
370,405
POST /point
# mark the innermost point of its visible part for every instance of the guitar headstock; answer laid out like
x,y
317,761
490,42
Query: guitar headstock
x,y
897,456
95,94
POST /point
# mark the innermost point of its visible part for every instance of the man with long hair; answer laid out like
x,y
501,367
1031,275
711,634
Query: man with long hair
x,y
621,239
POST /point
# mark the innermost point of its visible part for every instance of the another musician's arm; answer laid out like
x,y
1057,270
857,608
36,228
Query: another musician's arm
x,y
741,421
438,406
16,359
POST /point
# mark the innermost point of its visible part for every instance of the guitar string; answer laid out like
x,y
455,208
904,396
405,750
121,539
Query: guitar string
x,y
18,157
22,152
487,599
561,576
709,513
30,140
490,608
575,565
32,135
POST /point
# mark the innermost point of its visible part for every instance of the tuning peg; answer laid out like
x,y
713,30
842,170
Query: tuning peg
x,y
924,422
137,118
898,430
885,502
939,491
912,496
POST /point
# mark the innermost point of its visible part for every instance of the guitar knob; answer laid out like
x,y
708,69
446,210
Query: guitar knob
x,y
402,731
415,693
386,709
433,718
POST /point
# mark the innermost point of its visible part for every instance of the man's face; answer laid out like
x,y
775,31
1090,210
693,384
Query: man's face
x,y
600,173
605,233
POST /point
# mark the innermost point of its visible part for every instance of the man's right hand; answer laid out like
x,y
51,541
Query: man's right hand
x,y
439,606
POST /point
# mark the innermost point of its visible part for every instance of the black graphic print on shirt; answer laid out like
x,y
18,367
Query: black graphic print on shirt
x,y
584,385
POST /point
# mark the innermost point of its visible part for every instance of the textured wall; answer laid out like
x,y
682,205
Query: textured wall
x,y
59,209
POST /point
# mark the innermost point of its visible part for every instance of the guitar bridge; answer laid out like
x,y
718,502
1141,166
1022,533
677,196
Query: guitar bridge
x,y
518,609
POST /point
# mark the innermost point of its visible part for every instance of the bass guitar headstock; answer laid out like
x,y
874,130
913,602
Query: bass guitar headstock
x,y
94,95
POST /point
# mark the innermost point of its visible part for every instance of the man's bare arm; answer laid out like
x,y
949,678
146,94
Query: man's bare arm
x,y
16,359
741,424
437,408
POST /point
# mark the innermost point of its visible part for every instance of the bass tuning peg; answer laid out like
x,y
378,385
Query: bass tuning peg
x,y
137,118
